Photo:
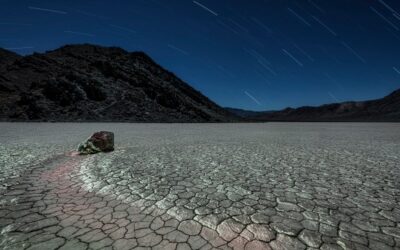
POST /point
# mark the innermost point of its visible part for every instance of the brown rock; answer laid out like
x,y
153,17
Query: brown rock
x,y
102,141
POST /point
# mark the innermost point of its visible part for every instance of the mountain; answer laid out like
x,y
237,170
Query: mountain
x,y
93,83
245,113
7,57
385,109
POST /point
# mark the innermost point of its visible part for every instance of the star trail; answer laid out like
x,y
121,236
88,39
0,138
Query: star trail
x,y
238,53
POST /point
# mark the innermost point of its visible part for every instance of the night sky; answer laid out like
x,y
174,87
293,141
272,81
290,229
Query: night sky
x,y
251,54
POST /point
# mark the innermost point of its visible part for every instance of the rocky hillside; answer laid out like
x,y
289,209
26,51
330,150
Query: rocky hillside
x,y
384,109
7,57
93,83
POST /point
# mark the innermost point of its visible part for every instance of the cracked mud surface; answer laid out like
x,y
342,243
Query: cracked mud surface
x,y
202,186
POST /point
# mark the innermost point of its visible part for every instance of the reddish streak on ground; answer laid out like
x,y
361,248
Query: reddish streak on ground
x,y
76,201
67,189
61,170
72,153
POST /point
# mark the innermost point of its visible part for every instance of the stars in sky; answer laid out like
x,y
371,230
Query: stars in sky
x,y
299,17
303,52
384,18
324,25
19,48
79,33
178,49
205,8
48,10
333,97
123,28
352,51
281,48
292,57
252,98
387,6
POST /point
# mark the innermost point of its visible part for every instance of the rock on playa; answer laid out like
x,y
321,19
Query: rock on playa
x,y
102,141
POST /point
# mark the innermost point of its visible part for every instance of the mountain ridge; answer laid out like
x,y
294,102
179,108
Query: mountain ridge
x,y
386,109
87,82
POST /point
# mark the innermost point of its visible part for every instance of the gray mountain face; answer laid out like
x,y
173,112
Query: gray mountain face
x,y
93,83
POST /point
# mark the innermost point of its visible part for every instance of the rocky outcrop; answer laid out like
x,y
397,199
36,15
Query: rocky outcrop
x,y
94,83
7,57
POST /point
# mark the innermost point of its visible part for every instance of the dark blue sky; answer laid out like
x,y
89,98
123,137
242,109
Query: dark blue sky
x,y
257,54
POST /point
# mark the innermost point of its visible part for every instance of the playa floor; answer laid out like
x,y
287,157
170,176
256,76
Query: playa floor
x,y
201,186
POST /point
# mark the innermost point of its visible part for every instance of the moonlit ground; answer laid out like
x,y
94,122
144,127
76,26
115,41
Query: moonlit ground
x,y
172,186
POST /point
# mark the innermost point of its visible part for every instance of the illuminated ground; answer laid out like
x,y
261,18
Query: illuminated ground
x,y
199,186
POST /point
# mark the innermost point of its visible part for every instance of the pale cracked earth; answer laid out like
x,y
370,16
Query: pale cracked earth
x,y
201,186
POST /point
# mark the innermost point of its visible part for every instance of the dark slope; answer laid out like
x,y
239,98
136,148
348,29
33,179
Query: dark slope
x,y
93,83
385,109
7,57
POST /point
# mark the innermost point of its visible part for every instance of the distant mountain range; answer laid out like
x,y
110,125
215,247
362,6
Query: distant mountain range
x,y
386,109
94,83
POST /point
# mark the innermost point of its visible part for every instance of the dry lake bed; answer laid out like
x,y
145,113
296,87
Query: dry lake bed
x,y
201,186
